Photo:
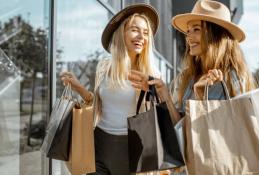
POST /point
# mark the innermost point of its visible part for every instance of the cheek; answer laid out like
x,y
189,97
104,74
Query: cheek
x,y
145,41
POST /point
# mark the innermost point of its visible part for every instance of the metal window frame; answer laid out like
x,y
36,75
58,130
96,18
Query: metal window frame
x,y
51,64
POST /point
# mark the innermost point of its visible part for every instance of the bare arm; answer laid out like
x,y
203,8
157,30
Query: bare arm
x,y
165,96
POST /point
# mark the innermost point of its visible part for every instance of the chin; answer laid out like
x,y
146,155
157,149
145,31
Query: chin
x,y
194,54
138,51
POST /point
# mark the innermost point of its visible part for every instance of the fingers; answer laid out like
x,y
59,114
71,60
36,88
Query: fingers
x,y
138,86
137,75
157,82
134,78
66,74
66,80
138,80
214,75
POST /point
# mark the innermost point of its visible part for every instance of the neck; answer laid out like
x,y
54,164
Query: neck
x,y
133,60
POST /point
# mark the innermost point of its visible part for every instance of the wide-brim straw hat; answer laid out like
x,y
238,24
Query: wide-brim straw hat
x,y
212,11
117,19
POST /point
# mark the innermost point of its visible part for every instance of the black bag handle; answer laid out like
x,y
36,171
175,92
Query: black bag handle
x,y
151,95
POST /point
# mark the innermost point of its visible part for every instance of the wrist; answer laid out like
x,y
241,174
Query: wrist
x,y
164,94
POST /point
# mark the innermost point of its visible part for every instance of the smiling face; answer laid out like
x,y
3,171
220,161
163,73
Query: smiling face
x,y
193,37
136,36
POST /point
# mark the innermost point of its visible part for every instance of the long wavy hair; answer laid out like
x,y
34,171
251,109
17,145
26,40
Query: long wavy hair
x,y
221,51
121,64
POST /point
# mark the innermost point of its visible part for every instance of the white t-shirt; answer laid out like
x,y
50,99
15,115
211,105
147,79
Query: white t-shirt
x,y
117,106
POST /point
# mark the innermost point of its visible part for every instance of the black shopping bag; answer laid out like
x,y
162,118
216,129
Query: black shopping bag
x,y
57,140
152,140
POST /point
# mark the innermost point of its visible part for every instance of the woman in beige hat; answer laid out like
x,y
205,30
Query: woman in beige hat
x,y
212,54
128,36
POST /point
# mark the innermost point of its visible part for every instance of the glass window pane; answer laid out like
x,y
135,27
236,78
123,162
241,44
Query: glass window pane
x,y
115,4
23,94
79,27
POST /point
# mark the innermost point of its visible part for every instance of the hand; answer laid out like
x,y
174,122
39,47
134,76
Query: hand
x,y
138,80
161,89
210,78
69,77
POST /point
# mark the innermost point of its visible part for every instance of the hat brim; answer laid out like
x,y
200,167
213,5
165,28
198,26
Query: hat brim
x,y
180,23
117,19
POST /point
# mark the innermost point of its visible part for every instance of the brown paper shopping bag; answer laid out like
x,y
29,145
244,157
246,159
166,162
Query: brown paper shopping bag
x,y
82,153
222,137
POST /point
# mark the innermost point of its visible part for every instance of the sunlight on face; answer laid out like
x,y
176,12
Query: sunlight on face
x,y
193,37
136,36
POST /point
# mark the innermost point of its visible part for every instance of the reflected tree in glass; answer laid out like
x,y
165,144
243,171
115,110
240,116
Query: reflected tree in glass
x,y
27,48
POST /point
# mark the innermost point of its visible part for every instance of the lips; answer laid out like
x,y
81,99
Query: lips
x,y
193,45
138,44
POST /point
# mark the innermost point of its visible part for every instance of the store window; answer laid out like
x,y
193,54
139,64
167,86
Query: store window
x,y
79,28
23,85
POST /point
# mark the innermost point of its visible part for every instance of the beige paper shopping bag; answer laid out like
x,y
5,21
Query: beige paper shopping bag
x,y
222,137
82,153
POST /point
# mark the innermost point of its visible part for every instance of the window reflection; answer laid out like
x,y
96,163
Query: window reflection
x,y
23,85
79,39
79,28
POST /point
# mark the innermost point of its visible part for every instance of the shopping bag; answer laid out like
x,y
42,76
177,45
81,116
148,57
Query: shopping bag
x,y
56,142
222,136
179,131
152,140
82,152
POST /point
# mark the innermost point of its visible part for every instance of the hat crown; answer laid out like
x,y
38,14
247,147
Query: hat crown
x,y
212,8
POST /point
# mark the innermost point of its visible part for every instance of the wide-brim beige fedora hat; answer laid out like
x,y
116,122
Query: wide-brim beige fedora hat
x,y
117,19
212,11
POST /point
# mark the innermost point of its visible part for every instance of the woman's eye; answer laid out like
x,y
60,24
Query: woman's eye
x,y
196,29
134,30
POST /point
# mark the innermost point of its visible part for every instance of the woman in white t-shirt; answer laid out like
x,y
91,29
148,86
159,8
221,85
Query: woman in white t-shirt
x,y
129,38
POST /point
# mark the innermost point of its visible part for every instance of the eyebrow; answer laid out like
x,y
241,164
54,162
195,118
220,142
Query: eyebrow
x,y
196,25
134,26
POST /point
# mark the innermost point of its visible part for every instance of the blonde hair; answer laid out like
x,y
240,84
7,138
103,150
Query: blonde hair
x,y
120,65
220,51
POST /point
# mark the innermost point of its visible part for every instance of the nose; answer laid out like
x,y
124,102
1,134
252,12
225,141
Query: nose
x,y
188,38
141,35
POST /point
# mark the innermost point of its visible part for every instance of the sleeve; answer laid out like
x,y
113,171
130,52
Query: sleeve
x,y
100,70
174,91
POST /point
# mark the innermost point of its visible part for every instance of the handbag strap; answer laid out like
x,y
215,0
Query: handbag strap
x,y
225,89
151,95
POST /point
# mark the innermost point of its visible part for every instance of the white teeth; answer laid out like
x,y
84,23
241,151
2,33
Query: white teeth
x,y
194,44
137,43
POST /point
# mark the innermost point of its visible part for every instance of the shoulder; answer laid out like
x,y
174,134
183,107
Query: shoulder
x,y
101,70
103,63
174,89
103,66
